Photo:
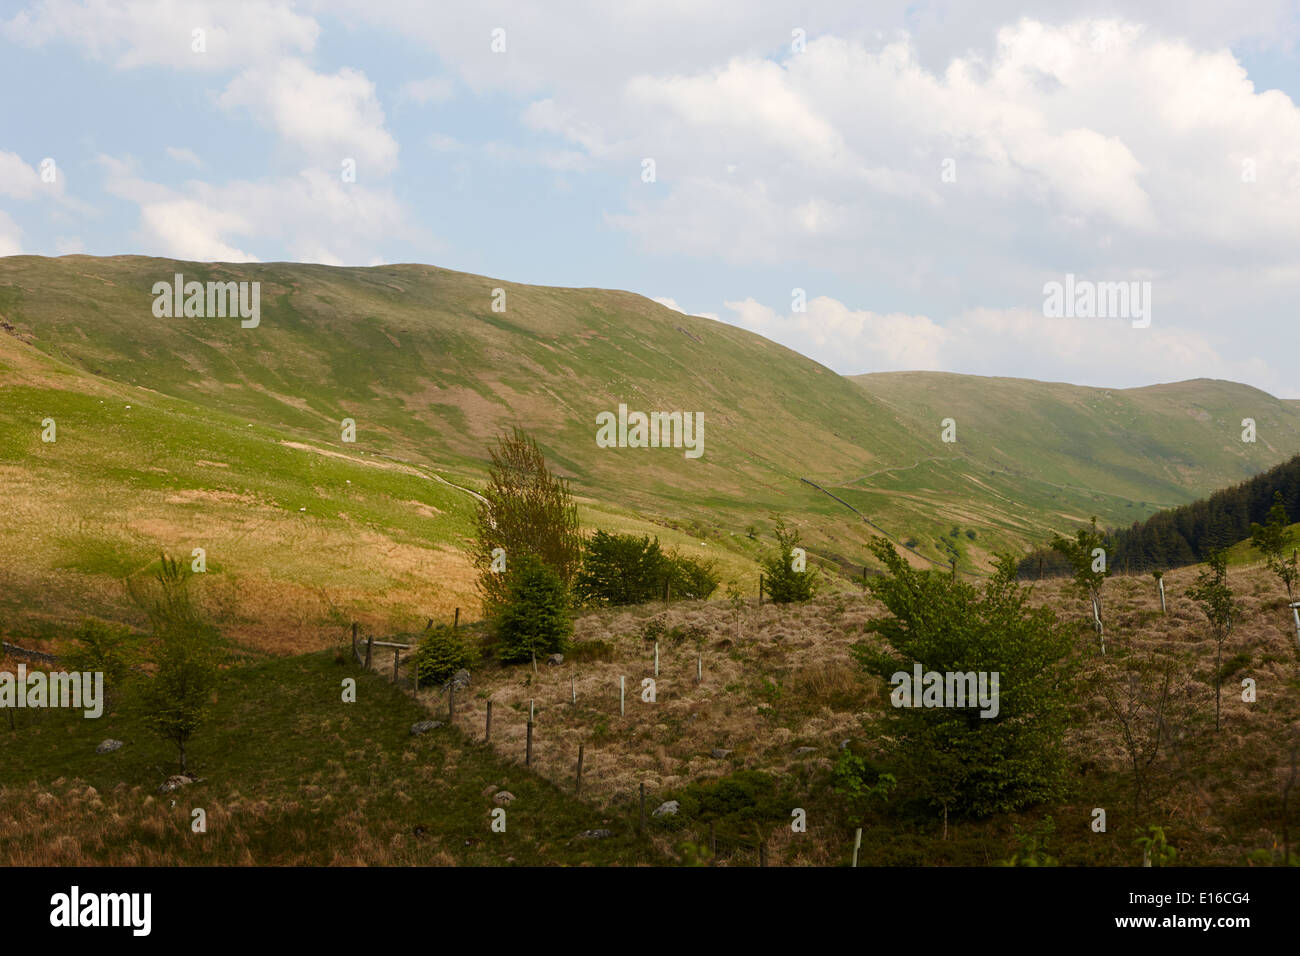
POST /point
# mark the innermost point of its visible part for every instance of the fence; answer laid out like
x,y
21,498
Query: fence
x,y
7,648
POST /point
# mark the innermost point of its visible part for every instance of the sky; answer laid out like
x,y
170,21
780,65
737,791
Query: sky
x,y
881,186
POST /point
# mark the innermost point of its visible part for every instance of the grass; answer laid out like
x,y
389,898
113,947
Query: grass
x,y
291,775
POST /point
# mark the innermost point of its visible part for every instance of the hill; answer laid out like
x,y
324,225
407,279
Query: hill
x,y
233,440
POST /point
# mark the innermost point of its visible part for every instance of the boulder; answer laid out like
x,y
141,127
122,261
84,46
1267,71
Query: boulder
x,y
805,750
596,834
460,679
424,726
503,798
555,660
175,782
108,746
717,753
667,809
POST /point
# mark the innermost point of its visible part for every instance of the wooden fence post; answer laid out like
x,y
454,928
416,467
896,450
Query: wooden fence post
x,y
456,623
397,652
370,646
699,668
622,692
573,688
528,750
857,845
656,658
487,733
580,749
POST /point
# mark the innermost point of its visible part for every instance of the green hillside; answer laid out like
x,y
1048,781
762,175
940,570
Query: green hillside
x,y
232,441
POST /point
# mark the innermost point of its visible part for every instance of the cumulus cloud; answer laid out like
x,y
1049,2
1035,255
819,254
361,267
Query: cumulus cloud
x,y
314,215
10,236
328,117
140,33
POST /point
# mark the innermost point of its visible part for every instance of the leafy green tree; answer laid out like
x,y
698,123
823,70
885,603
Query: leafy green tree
x,y
1086,554
1212,593
620,569
1274,540
786,576
176,700
536,618
1031,849
953,757
690,578
442,652
525,510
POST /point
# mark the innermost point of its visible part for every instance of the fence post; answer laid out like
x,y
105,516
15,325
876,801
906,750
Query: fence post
x,y
573,688
699,668
456,623
622,691
762,854
580,749
370,646
528,750
642,827
656,658
487,734
415,674
397,652
857,845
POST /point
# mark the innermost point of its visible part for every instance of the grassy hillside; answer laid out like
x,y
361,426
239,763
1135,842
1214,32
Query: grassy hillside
x,y
232,440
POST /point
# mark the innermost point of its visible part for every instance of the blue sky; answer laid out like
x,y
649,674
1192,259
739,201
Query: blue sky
x,y
1159,144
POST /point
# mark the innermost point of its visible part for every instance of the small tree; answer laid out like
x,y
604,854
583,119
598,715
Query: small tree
x,y
1274,541
787,578
690,578
105,648
620,569
440,655
536,617
956,758
1212,593
1087,557
526,510
177,699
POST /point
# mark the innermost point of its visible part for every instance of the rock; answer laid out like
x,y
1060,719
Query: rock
x,y
108,746
844,744
596,834
719,754
175,782
805,750
667,809
460,679
555,660
490,789
503,798
424,726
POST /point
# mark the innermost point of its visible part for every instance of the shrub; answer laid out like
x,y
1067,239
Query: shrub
x,y
690,578
536,617
620,569
786,578
104,648
441,653
953,756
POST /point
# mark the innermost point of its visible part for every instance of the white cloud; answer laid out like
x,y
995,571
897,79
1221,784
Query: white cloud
x,y
20,181
328,117
313,215
138,33
184,155
10,236
984,341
